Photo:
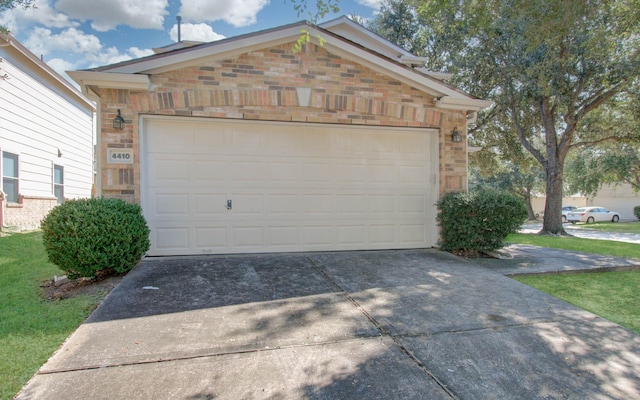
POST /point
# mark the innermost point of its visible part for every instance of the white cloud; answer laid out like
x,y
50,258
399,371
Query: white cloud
x,y
43,41
106,15
90,51
62,66
8,20
42,13
235,12
137,53
375,4
195,32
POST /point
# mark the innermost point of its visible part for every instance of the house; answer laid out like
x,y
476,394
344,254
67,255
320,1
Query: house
x,y
46,138
246,145
620,198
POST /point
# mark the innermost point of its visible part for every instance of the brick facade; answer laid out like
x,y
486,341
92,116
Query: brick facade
x,y
262,85
27,214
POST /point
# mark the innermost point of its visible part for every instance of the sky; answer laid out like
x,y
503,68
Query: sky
x,y
79,34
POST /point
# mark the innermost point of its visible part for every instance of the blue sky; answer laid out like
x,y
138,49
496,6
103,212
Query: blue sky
x,y
80,34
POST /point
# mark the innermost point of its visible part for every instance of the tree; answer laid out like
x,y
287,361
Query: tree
x,y
397,21
10,5
609,162
547,64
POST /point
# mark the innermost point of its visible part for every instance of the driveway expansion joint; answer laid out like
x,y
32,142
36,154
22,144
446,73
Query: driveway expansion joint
x,y
383,330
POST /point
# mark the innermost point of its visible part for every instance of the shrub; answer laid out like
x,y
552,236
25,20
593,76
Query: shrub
x,y
480,221
86,236
636,211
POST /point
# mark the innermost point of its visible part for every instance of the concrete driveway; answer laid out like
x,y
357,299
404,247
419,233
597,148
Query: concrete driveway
x,y
415,324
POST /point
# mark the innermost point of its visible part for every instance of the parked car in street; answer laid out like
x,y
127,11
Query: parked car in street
x,y
565,210
592,214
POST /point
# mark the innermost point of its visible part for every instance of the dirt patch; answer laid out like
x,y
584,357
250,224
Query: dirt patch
x,y
99,285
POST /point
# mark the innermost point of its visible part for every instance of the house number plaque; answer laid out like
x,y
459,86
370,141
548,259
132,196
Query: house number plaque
x,y
119,156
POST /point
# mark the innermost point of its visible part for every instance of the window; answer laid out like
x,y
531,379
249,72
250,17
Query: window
x,y
10,176
58,182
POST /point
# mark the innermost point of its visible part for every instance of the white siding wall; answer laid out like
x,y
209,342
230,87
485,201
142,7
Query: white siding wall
x,y
36,121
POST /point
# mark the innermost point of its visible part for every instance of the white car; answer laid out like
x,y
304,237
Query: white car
x,y
592,214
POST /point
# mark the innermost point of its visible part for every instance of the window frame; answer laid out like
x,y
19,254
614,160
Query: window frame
x,y
58,185
11,197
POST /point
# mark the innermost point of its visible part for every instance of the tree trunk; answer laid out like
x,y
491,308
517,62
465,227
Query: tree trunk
x,y
552,221
527,202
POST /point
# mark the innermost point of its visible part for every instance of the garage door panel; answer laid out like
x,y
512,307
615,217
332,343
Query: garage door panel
x,y
248,204
209,172
318,204
412,174
383,234
350,173
293,187
283,172
172,204
172,238
352,234
247,171
211,239
210,204
283,204
412,204
286,237
412,233
248,236
319,172
315,236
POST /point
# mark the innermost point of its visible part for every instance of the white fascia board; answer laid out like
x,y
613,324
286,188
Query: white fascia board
x,y
343,25
413,60
110,80
462,104
438,75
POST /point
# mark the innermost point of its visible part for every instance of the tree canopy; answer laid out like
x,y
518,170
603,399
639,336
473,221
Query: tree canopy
x,y
548,65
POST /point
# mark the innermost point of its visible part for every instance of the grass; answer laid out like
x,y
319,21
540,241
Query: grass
x,y
595,246
618,227
31,328
612,295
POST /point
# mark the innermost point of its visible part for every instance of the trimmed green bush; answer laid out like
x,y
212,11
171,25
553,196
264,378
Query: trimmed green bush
x,y
86,236
636,211
480,221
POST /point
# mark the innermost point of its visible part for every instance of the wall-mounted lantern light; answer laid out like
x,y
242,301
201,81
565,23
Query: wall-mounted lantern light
x,y
118,121
455,135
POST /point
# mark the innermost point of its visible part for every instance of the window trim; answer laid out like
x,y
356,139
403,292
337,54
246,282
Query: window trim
x,y
15,178
56,184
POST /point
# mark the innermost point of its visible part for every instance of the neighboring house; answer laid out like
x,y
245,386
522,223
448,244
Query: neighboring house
x,y
46,138
244,145
620,198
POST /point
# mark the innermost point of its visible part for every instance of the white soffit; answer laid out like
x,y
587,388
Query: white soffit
x,y
110,80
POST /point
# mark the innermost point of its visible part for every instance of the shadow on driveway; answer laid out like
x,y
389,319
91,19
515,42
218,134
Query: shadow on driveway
x,y
408,324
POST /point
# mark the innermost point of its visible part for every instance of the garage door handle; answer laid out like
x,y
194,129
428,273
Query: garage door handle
x,y
229,205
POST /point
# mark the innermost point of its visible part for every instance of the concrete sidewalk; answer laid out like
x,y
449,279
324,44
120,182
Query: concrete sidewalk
x,y
415,324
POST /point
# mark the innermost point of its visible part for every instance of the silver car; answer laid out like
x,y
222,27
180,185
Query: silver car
x,y
592,214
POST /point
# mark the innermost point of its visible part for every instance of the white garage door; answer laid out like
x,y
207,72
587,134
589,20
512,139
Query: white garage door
x,y
226,186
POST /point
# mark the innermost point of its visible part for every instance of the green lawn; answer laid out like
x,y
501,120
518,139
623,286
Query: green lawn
x,y
31,329
611,295
622,227
606,247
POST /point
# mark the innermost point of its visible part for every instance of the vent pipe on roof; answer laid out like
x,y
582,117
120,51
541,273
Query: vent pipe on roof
x,y
179,18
